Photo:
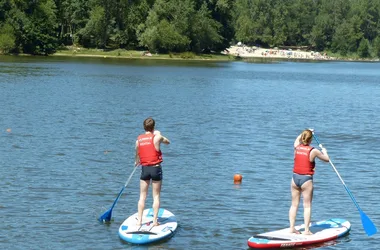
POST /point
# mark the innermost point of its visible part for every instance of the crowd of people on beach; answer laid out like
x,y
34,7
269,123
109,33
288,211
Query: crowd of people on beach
x,y
253,51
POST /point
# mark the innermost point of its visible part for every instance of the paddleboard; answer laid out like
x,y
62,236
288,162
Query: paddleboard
x,y
323,231
147,233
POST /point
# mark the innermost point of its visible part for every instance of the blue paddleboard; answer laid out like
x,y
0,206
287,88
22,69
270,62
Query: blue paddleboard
x,y
147,233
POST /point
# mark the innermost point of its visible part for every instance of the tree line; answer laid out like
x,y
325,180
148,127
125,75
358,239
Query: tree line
x,y
200,26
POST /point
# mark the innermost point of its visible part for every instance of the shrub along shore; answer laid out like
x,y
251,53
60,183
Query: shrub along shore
x,y
135,54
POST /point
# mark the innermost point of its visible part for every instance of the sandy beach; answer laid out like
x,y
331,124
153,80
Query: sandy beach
x,y
247,52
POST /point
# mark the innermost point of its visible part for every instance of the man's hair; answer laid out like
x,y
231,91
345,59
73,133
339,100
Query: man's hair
x,y
149,124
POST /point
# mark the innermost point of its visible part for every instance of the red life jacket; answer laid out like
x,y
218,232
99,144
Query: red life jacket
x,y
302,164
146,150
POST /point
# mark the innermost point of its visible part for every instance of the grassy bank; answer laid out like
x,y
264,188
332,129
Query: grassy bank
x,y
134,54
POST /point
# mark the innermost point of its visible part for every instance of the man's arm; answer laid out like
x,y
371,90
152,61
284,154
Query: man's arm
x,y
158,139
137,158
164,140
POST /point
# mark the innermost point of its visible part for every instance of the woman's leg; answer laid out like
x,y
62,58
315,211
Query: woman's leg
x,y
296,194
307,194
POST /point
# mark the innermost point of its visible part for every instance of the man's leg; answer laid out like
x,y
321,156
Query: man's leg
x,y
156,186
144,185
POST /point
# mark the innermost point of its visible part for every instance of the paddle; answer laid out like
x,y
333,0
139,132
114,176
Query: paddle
x,y
368,225
108,214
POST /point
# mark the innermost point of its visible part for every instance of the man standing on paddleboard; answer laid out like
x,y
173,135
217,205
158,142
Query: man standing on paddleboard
x,y
302,181
149,156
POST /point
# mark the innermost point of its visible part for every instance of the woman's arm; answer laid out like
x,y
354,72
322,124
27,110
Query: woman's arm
x,y
323,156
297,141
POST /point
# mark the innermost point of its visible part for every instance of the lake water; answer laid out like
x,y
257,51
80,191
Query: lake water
x,y
68,127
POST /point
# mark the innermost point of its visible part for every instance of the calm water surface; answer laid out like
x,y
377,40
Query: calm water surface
x,y
68,126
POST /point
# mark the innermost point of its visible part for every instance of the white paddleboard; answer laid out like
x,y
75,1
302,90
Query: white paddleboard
x,y
147,233
323,231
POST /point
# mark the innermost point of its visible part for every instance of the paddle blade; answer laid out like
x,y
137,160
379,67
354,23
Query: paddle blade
x,y
106,216
368,225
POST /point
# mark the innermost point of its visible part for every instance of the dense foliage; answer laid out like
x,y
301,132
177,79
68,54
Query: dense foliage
x,y
42,26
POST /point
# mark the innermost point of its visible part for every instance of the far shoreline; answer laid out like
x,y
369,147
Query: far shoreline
x,y
234,53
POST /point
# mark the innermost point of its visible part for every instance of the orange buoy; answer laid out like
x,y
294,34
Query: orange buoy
x,y
238,178
9,130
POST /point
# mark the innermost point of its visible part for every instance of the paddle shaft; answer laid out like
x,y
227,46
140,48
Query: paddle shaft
x,y
368,225
340,178
125,185
106,216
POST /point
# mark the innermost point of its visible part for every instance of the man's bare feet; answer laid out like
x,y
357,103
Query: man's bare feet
x,y
307,232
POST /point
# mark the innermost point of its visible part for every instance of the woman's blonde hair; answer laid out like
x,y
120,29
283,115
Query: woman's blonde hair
x,y
306,137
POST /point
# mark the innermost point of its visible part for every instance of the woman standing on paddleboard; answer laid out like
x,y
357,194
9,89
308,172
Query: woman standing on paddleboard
x,y
149,156
302,181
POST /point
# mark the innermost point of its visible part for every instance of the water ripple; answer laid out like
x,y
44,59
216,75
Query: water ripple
x,y
74,123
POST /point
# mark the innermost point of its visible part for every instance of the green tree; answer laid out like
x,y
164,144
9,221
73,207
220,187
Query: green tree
x,y
252,21
96,32
280,27
368,12
221,12
364,48
322,32
300,21
72,16
78,14
205,31
5,7
7,38
35,26
134,14
376,46
274,22
167,26
347,36
330,15
119,35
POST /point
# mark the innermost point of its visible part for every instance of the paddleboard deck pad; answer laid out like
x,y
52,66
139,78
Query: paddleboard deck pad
x,y
147,233
323,231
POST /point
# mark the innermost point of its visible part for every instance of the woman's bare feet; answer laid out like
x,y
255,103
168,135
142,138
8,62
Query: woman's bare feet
x,y
294,231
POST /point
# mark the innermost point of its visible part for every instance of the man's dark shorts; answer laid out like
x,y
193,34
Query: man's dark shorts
x,y
151,173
